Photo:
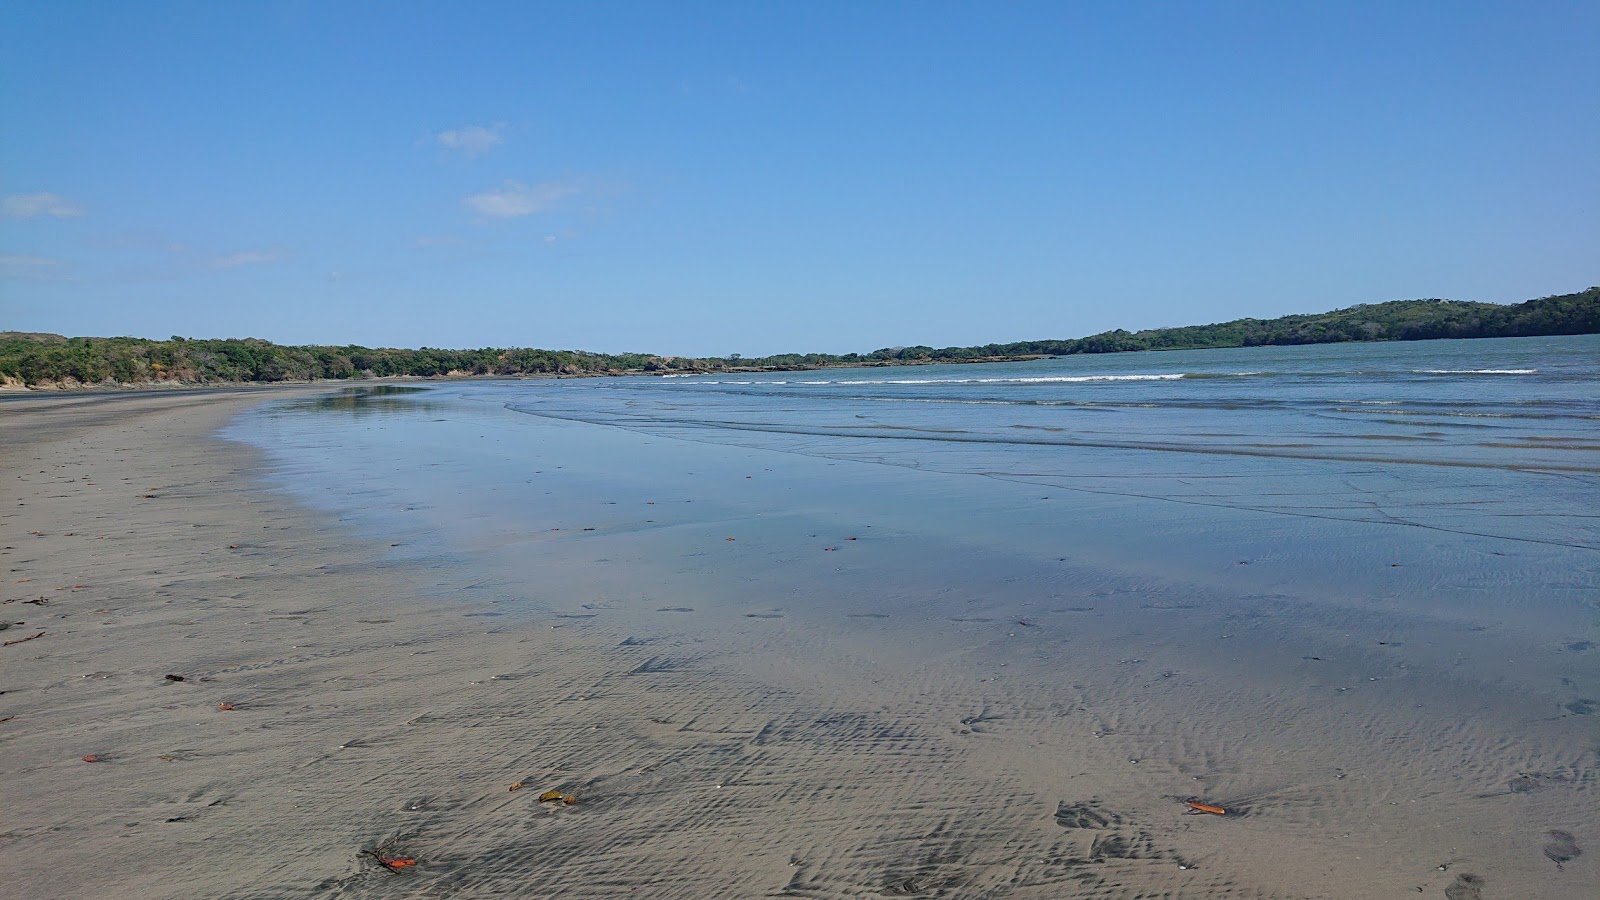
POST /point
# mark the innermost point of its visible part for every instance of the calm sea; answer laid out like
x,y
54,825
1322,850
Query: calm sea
x,y
1499,437
1322,501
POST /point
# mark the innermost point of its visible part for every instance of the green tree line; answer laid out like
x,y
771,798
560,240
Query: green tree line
x,y
40,359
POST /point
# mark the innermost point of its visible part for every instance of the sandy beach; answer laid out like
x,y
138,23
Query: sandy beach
x,y
331,699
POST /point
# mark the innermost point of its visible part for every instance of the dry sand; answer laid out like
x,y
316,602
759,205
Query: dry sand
x,y
709,758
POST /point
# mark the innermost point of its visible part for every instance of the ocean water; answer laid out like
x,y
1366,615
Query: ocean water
x,y
1358,585
1331,498
1495,437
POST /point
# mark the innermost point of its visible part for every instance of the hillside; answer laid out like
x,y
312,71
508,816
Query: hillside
x,y
37,360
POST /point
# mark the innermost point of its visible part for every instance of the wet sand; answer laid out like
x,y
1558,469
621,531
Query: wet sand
x,y
715,749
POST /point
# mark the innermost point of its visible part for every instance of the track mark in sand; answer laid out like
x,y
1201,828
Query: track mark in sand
x,y
676,609
1115,845
638,641
1528,782
763,615
977,724
1581,707
1085,815
1580,646
1562,847
1465,887
867,616
913,886
1116,859
656,664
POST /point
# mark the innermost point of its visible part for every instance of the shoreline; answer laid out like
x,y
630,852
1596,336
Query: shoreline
x,y
377,701
17,389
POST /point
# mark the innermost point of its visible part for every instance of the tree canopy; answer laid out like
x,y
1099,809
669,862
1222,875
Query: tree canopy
x,y
47,359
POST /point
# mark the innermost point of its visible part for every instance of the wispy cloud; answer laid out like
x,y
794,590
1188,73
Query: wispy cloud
x,y
437,240
244,258
515,199
42,267
30,206
473,140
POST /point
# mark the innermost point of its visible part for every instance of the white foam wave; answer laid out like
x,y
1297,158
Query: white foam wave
x,y
1476,371
1042,379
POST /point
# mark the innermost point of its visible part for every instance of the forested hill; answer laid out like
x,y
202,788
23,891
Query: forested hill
x,y
53,360
1398,320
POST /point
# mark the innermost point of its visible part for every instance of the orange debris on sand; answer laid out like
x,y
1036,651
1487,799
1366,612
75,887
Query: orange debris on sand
x,y
1205,808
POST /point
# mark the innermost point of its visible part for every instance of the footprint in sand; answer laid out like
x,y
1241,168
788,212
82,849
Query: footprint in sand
x,y
1465,887
1084,815
1562,848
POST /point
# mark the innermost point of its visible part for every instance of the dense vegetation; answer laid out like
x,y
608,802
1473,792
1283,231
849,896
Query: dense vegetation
x,y
45,359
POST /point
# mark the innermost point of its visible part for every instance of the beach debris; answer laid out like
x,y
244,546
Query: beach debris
x,y
225,707
42,601
1026,623
31,637
91,758
727,539
516,785
176,678
549,796
569,799
393,863
6,718
1205,808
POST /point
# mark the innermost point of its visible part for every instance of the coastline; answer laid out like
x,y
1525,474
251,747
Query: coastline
x,y
13,387
369,709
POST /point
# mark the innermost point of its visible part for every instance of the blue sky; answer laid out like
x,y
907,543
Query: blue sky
x,y
754,177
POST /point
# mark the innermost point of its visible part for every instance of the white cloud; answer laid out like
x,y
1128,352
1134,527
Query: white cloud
x,y
243,258
29,206
472,140
514,199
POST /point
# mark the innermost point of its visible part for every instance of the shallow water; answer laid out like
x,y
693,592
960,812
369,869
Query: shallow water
x,y
1363,556
1458,480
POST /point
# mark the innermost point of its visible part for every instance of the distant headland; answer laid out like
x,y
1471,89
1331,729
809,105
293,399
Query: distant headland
x,y
29,360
